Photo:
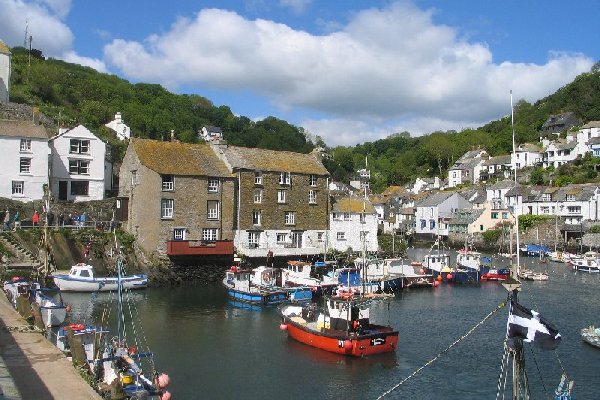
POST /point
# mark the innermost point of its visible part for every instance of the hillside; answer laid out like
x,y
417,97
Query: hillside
x,y
73,94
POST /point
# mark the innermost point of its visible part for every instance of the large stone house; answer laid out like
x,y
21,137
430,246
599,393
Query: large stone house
x,y
80,169
281,199
353,225
24,162
179,198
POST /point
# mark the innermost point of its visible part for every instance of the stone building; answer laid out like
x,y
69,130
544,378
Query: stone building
x,y
180,198
281,199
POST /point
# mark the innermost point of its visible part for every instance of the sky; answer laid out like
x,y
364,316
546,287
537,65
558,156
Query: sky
x,y
349,71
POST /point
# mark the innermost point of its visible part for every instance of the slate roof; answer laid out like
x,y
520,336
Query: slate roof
x,y
175,158
591,124
499,160
465,216
434,199
529,147
353,205
594,140
273,161
505,184
26,129
565,146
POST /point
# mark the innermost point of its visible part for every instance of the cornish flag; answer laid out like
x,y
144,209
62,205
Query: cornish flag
x,y
532,327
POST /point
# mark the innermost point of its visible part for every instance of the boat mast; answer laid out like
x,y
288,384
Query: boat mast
x,y
516,210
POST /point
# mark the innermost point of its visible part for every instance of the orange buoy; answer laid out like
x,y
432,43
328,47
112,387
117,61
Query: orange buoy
x,y
439,278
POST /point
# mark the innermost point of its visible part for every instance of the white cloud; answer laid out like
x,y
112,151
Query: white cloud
x,y
298,6
386,64
94,63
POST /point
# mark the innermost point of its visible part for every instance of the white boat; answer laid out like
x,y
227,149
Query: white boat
x,y
300,273
81,278
590,262
531,275
591,335
52,309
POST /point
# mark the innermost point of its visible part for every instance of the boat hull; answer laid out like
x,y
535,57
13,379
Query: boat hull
x,y
378,340
463,277
265,298
67,283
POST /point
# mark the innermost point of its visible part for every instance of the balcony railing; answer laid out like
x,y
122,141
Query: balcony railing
x,y
199,248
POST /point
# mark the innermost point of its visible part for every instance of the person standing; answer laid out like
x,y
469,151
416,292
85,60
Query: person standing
x,y
17,221
50,218
61,219
35,219
7,219
82,219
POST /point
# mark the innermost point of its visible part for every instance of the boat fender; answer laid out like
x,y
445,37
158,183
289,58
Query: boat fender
x,y
163,381
355,324
76,327
166,395
283,326
265,276
347,344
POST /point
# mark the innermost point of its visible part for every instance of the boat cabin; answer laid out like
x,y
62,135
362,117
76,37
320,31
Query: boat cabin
x,y
82,270
266,276
347,314
437,262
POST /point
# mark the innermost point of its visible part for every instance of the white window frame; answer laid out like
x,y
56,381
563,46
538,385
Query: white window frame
x,y
18,188
363,218
285,178
168,183
213,213
346,216
79,146
256,217
258,195
320,236
290,218
25,165
337,216
281,238
253,239
312,197
25,145
341,236
167,208
134,178
210,234
570,197
281,196
258,177
79,167
312,180
179,233
213,186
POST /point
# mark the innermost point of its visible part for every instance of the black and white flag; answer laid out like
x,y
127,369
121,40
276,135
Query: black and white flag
x,y
532,327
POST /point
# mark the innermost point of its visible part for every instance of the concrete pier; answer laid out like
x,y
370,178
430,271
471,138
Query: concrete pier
x,y
33,368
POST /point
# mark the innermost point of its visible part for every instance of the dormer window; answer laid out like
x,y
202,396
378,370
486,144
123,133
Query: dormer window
x,y
570,197
284,178
168,183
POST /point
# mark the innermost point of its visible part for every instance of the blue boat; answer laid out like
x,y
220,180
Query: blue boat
x,y
538,250
439,266
254,286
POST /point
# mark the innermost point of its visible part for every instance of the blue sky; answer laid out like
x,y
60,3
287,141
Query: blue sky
x,y
349,71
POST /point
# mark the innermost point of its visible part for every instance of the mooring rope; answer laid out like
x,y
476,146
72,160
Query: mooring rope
x,y
498,308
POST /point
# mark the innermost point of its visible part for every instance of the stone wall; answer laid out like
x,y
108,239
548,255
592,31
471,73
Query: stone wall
x,y
24,112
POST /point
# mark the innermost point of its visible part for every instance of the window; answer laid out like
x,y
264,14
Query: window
x,y
574,209
337,216
256,217
258,195
284,178
134,178
494,215
25,145
570,197
290,218
79,146
281,237
167,208
423,224
212,209
210,234
253,239
25,165
431,224
346,216
312,197
168,183
79,167
312,180
80,188
320,236
17,187
341,236
179,234
257,178
213,185
281,196
363,218
481,227
504,215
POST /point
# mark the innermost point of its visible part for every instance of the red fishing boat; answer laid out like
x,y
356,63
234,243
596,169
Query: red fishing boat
x,y
342,326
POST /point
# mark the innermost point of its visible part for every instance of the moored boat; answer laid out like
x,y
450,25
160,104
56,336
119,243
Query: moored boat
x,y
81,278
301,273
591,335
495,274
589,262
240,287
52,309
342,326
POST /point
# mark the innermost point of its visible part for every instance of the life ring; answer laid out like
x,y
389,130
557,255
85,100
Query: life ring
x,y
265,276
76,327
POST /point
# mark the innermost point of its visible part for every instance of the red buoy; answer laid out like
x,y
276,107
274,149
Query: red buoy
x,y
283,326
421,271
436,283
449,277
348,344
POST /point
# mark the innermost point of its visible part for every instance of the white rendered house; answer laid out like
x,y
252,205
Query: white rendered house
x,y
353,224
79,169
526,155
123,131
24,161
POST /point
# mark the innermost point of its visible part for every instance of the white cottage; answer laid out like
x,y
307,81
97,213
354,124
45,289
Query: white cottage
x,y
526,155
24,161
353,224
79,170
118,126
434,212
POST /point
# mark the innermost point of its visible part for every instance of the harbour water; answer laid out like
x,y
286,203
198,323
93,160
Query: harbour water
x,y
215,349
